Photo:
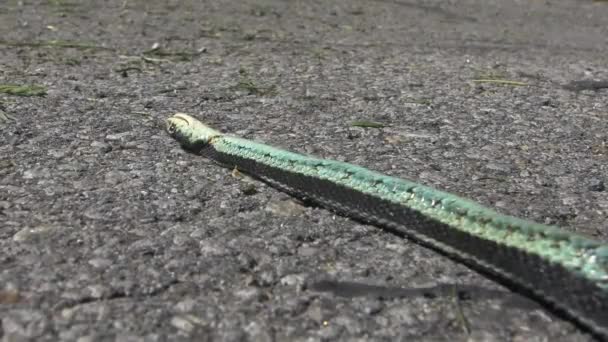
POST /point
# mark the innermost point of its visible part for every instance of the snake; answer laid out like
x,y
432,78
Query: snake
x,y
565,272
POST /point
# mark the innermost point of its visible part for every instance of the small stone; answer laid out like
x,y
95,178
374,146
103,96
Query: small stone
x,y
249,189
73,167
115,177
129,338
397,247
209,249
257,333
329,331
180,240
100,263
401,315
570,200
373,307
9,297
307,251
285,208
56,153
548,103
486,336
349,323
199,233
11,326
292,280
245,262
68,313
29,234
182,323
248,294
130,145
498,167
266,278
117,136
234,335
101,146
36,173
315,313
24,325
596,185
185,305
97,291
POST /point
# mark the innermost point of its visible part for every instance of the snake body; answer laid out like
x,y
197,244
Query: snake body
x,y
566,272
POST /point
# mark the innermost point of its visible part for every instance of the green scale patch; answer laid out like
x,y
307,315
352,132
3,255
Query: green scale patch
x,y
582,255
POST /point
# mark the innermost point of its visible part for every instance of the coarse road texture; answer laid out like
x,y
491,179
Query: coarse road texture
x,y
109,231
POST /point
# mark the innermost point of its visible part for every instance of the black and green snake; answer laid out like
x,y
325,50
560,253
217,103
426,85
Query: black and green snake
x,y
568,273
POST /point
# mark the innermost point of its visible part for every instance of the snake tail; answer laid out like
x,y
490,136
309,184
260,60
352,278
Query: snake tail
x,y
566,272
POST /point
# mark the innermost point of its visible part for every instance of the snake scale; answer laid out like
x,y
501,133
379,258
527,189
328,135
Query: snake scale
x,y
566,272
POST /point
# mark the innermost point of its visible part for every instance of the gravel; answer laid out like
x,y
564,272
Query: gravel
x,y
109,231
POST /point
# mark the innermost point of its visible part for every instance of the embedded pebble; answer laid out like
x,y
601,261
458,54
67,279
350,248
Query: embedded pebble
x,y
285,208
10,296
596,185
56,153
129,338
246,262
116,177
100,263
24,324
86,338
266,278
117,136
248,293
182,323
28,234
330,331
97,291
257,333
101,146
186,305
315,313
292,280
307,251
372,307
36,173
401,315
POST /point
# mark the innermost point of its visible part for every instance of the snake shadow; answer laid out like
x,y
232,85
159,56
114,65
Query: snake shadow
x,y
462,292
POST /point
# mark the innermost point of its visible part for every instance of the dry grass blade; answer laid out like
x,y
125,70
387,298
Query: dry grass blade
x,y
367,124
22,90
5,118
54,44
460,317
500,81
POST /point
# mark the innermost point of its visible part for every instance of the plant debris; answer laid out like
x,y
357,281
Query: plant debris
x,y
180,55
5,118
55,44
22,90
367,124
501,81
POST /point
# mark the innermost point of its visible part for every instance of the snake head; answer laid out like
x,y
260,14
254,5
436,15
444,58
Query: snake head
x,y
189,132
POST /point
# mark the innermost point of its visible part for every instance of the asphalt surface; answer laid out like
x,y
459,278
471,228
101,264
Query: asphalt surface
x,y
108,231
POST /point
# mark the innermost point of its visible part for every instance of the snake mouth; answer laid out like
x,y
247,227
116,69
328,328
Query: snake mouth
x,y
177,123
189,132
180,127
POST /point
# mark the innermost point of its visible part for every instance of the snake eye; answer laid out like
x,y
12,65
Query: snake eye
x,y
170,128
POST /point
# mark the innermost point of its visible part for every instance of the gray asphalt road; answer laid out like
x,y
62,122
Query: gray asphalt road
x,y
108,231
